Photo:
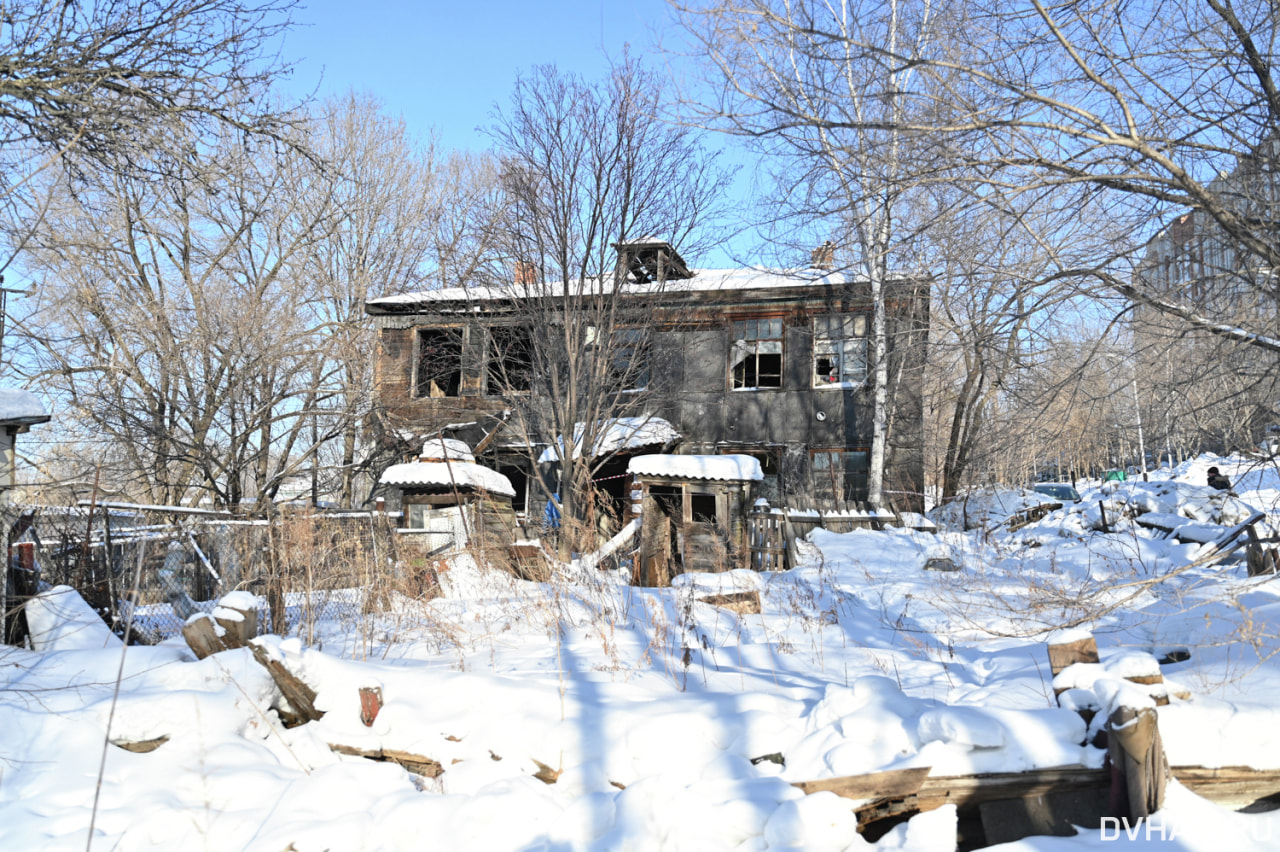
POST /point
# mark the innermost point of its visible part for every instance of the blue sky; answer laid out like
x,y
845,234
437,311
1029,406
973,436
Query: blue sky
x,y
443,65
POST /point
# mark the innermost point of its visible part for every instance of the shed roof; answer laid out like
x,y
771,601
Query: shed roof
x,y
21,407
742,468
618,434
448,475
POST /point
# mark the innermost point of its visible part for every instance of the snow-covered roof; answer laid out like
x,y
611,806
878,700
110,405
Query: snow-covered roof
x,y
727,467
20,406
703,281
460,474
619,434
440,449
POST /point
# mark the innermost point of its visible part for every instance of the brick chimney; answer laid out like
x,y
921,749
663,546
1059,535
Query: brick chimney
x,y
823,257
526,273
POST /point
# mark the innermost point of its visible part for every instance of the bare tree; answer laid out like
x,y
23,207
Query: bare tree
x,y
168,322
405,217
588,167
105,84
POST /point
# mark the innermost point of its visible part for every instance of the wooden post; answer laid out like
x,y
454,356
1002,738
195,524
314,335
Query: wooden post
x,y
26,585
1139,768
275,584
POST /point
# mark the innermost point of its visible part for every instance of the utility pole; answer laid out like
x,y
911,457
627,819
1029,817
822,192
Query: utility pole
x,y
4,307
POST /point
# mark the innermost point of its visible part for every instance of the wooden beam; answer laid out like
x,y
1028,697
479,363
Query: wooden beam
x,y
897,791
895,783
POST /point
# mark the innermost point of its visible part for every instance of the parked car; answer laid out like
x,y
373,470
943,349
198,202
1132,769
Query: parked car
x,y
1058,491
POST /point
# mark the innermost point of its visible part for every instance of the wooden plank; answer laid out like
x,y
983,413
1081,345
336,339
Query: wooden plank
x,y
301,698
416,763
1233,787
141,746
894,783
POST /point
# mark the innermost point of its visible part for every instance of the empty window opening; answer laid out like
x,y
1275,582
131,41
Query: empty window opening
x,y
771,466
839,350
669,500
510,362
755,358
438,370
703,508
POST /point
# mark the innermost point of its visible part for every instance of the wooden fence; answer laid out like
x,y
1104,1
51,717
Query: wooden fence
x,y
772,532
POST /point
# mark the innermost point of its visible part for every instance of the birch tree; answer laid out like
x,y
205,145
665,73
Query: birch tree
x,y
786,76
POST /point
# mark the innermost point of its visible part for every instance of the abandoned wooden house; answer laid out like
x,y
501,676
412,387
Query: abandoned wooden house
x,y
771,364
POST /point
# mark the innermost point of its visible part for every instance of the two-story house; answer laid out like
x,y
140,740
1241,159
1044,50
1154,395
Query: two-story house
x,y
764,362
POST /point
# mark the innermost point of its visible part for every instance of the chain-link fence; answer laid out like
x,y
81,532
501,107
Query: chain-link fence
x,y
157,567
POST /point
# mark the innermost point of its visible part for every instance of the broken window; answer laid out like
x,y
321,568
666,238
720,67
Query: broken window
x,y
839,350
755,359
840,476
510,360
438,366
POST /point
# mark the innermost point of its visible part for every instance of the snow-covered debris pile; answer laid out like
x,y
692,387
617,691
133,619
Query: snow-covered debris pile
x,y
984,508
1156,507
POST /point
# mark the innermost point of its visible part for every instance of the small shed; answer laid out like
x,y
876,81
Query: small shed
x,y
450,500
694,513
19,411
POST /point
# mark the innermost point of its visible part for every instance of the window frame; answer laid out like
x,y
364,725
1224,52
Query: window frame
x,y
853,342
860,489
754,345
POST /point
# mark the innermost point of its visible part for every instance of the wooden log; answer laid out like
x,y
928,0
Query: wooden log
x,y
416,763
742,603
300,697
238,630
1067,654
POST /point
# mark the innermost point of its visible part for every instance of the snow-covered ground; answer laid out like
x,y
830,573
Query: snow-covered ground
x,y
648,706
